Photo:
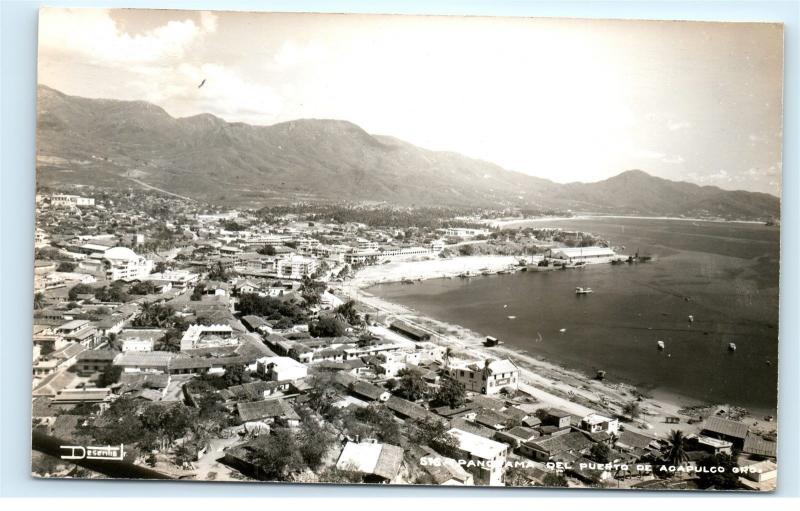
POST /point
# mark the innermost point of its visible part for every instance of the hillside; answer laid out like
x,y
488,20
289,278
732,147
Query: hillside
x,y
127,143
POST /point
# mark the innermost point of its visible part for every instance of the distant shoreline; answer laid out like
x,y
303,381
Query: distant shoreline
x,y
503,224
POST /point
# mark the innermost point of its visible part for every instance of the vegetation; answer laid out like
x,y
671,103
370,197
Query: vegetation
x,y
632,410
327,327
725,479
451,393
600,453
677,453
271,308
411,386
433,433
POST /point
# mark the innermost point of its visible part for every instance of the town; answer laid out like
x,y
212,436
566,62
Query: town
x,y
220,344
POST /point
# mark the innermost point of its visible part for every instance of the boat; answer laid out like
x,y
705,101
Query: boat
x,y
601,375
563,330
661,345
512,317
583,290
691,318
492,341
732,346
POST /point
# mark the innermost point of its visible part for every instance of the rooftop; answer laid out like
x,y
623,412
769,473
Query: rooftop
x,y
477,445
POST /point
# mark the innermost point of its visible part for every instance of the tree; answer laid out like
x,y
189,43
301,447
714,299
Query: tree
x,y
110,376
411,386
167,423
268,250
314,442
236,375
218,272
197,292
276,456
724,477
66,266
38,300
326,327
519,476
466,250
677,451
553,479
451,393
632,409
433,432
600,453
347,312
79,289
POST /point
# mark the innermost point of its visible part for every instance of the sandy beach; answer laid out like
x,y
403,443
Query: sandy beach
x,y
551,385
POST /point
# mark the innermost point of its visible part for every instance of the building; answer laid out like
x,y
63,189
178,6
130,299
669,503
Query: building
x,y
464,232
281,368
296,267
139,344
89,362
271,411
379,463
123,264
569,445
208,336
144,361
61,200
596,423
489,378
587,255
725,429
412,332
484,458
179,279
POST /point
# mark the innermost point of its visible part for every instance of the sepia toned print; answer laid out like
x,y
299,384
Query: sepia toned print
x,y
417,250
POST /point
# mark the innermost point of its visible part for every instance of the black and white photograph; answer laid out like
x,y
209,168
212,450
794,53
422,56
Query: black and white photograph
x,y
406,250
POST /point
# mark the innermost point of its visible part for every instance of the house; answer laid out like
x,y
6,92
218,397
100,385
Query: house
x,y
89,362
556,448
444,471
483,458
407,410
630,441
78,396
270,411
144,361
281,368
596,423
489,378
491,419
725,429
514,437
410,331
140,339
123,264
557,418
758,446
369,391
379,463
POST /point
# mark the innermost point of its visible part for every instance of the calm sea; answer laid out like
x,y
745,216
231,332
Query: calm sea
x,y
723,274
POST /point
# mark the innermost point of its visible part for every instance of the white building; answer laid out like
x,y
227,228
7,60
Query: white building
x,y
596,423
296,267
123,264
180,279
208,336
484,458
582,254
464,232
281,368
136,344
486,379
70,201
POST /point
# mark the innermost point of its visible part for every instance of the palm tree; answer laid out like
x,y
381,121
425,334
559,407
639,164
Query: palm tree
x,y
38,301
446,358
677,453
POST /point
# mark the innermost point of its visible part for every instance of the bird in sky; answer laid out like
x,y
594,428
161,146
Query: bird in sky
x,y
202,83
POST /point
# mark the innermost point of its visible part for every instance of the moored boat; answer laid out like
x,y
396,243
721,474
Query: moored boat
x,y
583,290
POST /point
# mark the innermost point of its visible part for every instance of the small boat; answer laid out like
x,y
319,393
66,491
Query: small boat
x,y
505,306
491,341
732,347
563,330
660,345
691,318
583,290
512,317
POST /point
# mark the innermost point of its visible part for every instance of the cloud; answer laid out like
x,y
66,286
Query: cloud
x,y
93,36
674,160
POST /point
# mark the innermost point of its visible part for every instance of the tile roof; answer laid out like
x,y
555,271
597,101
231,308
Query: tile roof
x,y
754,444
726,427
272,408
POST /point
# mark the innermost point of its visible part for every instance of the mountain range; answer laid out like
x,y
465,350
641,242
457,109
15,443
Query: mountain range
x,y
125,144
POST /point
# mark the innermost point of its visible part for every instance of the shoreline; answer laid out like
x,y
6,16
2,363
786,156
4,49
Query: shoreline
x,y
551,384
507,223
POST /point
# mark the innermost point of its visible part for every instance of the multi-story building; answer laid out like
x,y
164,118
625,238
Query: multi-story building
x,y
296,267
488,378
70,201
484,458
123,264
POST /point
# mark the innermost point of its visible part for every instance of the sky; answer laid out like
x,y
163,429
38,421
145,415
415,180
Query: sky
x,y
563,99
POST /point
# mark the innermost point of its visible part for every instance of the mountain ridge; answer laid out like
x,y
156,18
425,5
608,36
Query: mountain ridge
x,y
109,142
